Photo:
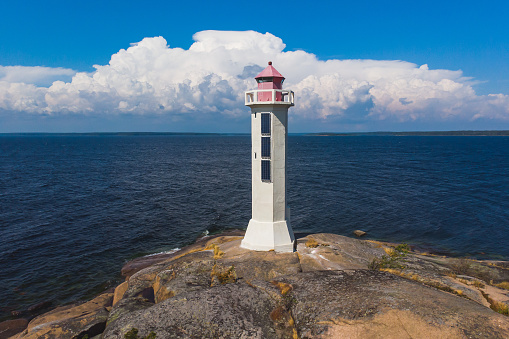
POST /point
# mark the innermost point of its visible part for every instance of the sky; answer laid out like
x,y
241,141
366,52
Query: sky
x,y
166,66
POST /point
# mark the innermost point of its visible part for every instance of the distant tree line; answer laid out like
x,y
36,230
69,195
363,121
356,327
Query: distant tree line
x,y
432,133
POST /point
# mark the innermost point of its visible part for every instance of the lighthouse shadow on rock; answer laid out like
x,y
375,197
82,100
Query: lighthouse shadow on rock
x,y
269,227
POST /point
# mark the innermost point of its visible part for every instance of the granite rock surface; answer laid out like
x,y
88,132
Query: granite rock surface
x,y
332,287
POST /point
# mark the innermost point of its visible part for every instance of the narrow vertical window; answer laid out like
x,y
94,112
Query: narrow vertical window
x,y
265,123
266,170
266,147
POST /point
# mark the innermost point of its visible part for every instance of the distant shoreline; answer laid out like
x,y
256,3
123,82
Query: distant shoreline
x,y
427,133
488,133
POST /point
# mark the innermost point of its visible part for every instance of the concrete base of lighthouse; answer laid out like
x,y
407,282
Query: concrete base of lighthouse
x,y
266,236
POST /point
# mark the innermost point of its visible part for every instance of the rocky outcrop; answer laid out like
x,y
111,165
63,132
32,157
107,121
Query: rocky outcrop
x,y
359,233
225,311
9,328
119,292
336,252
363,297
72,321
140,263
333,286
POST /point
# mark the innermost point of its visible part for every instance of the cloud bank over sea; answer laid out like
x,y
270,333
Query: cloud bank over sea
x,y
153,78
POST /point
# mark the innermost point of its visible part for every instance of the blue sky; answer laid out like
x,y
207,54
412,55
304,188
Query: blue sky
x,y
68,37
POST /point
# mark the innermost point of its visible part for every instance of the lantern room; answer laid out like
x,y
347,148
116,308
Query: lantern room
x,y
269,78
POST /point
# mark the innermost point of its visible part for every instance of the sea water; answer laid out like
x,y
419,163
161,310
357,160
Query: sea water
x,y
75,208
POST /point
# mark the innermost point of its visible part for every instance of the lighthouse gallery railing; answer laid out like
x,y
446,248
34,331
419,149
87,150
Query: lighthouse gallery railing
x,y
287,97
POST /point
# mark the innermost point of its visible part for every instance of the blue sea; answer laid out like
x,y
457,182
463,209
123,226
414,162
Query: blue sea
x,y
75,208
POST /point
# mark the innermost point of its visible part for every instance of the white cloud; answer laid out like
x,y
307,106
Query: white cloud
x,y
210,77
38,75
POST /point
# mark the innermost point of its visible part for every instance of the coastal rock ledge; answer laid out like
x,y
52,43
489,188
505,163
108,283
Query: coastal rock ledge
x,y
332,287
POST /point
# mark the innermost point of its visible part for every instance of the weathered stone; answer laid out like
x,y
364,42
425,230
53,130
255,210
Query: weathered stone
x,y
73,321
336,252
319,302
127,306
9,328
225,311
393,324
147,277
119,292
39,306
497,296
215,289
140,263
440,272
359,233
325,299
463,289
256,265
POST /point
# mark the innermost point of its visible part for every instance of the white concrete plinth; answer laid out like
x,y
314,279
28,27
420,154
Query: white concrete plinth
x,y
266,236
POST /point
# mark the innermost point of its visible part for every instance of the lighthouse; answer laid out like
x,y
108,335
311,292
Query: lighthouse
x,y
269,227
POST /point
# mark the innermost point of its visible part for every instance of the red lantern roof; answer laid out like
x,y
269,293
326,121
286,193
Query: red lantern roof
x,y
269,72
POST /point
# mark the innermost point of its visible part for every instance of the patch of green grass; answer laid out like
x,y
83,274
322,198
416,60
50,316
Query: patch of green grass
x,y
402,248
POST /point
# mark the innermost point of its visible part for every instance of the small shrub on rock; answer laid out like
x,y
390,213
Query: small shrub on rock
x,y
478,284
284,288
474,269
461,266
496,305
504,285
312,243
217,252
282,314
391,259
223,276
402,248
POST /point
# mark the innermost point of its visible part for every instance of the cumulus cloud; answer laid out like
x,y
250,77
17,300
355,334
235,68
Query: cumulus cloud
x,y
151,77
38,75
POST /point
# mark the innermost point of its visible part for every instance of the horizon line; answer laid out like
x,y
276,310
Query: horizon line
x,y
435,133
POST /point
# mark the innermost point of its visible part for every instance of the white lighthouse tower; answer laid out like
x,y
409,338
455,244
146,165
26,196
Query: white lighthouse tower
x,y
269,227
